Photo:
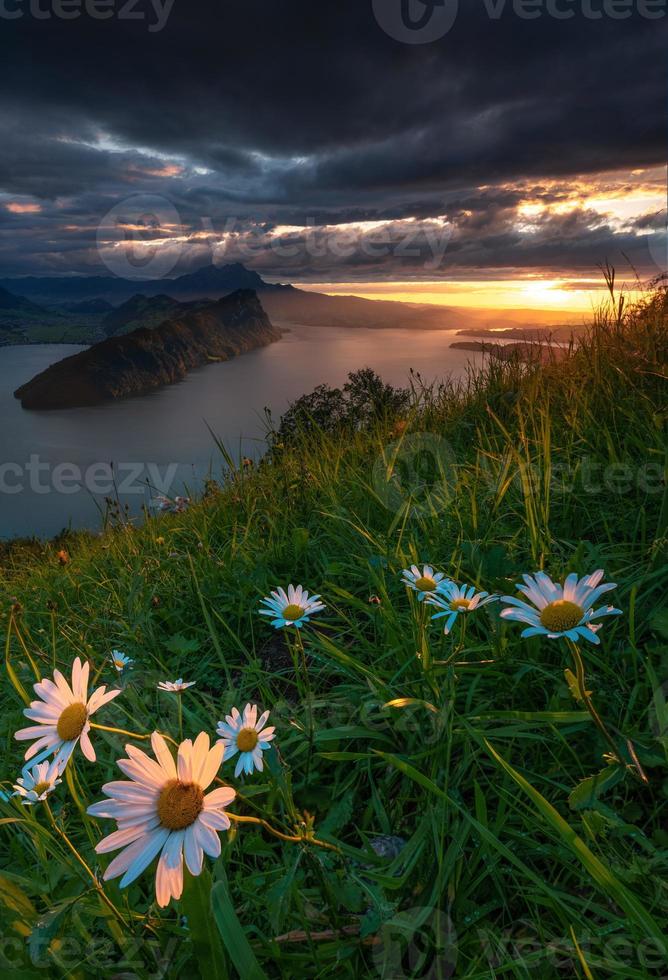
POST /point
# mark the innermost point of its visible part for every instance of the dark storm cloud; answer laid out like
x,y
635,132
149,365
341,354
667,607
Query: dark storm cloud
x,y
299,113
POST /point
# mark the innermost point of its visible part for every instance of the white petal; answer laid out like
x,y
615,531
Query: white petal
x,y
173,849
99,698
192,851
152,845
63,687
142,769
87,745
47,714
211,765
35,731
121,838
47,742
163,755
163,890
219,797
199,756
50,693
120,864
262,720
130,792
184,761
215,819
207,839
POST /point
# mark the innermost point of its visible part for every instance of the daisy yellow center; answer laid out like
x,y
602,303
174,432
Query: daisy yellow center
x,y
180,804
72,721
561,616
120,664
293,612
247,739
425,584
460,605
42,787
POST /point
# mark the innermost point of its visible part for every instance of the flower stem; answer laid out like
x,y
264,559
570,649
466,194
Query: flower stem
x,y
301,668
122,731
588,703
91,874
293,839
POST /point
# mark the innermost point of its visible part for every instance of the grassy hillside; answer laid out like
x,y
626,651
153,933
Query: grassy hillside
x,y
429,810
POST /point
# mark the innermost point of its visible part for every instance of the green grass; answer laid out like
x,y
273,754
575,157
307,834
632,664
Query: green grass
x,y
505,871
48,328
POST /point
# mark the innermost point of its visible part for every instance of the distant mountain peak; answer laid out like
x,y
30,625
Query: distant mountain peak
x,y
235,275
209,281
9,301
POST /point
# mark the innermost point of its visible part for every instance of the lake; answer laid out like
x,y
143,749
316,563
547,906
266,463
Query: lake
x,y
57,467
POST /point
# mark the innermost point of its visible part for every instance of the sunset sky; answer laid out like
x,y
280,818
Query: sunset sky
x,y
496,166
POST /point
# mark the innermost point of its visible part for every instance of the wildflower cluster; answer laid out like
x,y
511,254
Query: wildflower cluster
x,y
555,611
166,809
163,809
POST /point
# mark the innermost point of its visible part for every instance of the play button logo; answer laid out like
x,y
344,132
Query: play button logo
x,y
416,21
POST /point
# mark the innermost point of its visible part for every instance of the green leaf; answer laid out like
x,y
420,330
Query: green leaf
x,y
46,928
659,622
203,933
232,933
16,900
601,874
548,717
181,645
339,815
595,824
589,790
300,539
573,686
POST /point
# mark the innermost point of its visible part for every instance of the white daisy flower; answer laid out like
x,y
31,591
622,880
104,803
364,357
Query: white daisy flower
x,y
453,599
423,582
163,810
247,735
35,784
120,661
561,611
63,716
292,608
176,687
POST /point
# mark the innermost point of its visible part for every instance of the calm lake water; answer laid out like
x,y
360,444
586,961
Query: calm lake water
x,y
56,467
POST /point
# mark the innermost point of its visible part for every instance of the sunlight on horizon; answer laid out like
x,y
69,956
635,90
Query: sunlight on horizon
x,y
573,296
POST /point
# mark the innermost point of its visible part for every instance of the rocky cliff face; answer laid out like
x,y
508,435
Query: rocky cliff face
x,y
148,359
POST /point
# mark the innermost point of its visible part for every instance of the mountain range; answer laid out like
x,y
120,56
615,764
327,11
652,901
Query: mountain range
x,y
210,280
86,309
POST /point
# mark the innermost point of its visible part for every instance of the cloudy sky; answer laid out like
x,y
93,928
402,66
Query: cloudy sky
x,y
337,143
